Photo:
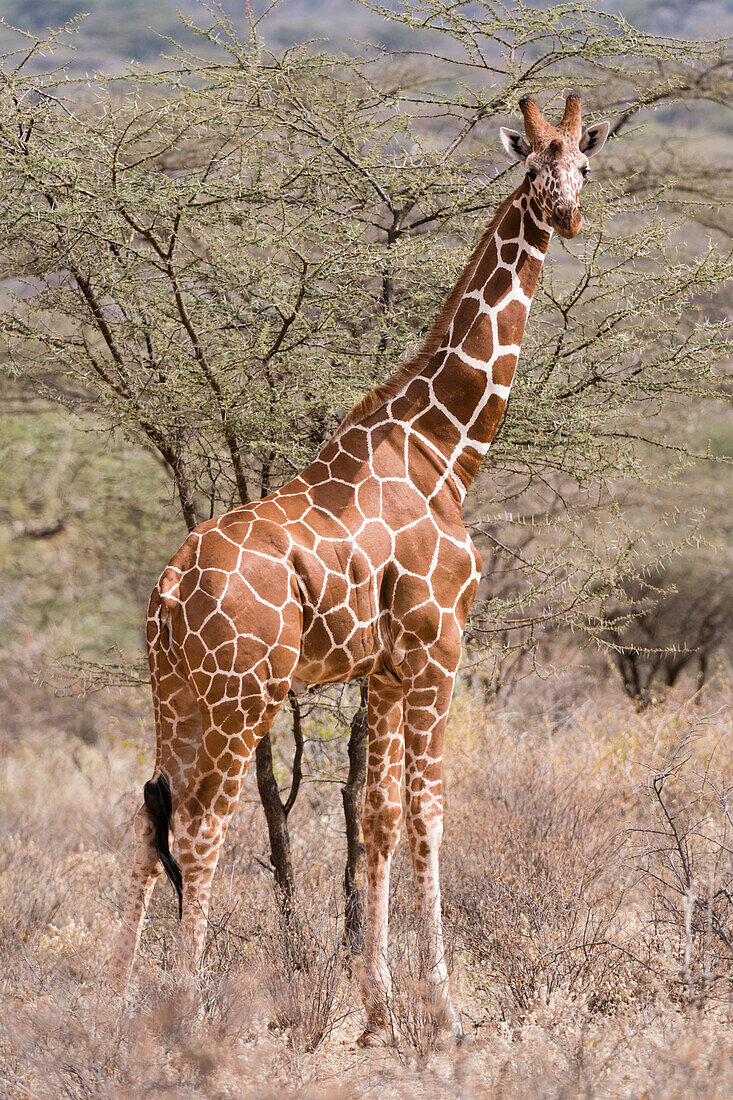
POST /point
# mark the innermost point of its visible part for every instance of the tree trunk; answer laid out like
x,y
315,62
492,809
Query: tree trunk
x,y
629,666
353,797
276,811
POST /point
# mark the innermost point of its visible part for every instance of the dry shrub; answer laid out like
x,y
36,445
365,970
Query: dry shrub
x,y
302,959
529,882
564,1051
34,896
417,1032
416,1029
569,928
72,1042
561,874
682,860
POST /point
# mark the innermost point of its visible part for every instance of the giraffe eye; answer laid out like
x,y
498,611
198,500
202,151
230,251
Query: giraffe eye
x,y
531,174
585,170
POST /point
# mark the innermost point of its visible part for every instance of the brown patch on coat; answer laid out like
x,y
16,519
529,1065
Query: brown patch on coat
x,y
509,252
511,222
467,465
498,286
466,314
479,342
510,322
489,420
457,378
436,425
528,271
423,473
487,263
503,370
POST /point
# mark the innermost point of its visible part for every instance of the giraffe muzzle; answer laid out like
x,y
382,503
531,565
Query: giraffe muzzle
x,y
567,219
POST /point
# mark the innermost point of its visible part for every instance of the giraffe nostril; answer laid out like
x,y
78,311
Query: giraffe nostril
x,y
561,210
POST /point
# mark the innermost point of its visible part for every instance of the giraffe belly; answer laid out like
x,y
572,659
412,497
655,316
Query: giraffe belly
x,y
331,671
341,637
336,646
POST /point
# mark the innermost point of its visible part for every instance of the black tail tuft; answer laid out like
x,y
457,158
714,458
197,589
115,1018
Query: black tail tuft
x,y
159,804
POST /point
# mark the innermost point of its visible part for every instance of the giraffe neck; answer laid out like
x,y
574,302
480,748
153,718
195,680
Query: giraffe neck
x,y
470,375
443,408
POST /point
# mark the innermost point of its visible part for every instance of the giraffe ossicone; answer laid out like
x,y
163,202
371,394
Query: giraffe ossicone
x,y
360,566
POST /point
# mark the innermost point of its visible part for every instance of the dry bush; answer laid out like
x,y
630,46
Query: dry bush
x,y
73,1043
416,1031
302,961
563,874
413,1030
555,839
529,883
565,1051
682,860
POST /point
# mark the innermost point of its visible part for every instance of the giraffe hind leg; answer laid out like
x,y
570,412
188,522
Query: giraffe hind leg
x,y
145,872
178,735
203,816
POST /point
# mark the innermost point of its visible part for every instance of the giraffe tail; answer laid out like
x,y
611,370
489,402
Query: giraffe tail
x,y
158,802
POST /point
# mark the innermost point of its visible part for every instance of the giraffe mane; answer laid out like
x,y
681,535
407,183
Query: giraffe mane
x,y
384,392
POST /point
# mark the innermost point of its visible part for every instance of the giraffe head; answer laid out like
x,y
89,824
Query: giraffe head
x,y
556,159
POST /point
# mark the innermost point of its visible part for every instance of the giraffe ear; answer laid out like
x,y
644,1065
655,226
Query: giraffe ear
x,y
515,143
594,138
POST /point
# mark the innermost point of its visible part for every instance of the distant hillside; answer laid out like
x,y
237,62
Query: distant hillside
x,y
680,18
115,32
111,32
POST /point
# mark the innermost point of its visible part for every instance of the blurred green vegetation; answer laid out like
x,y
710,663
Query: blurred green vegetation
x,y
87,522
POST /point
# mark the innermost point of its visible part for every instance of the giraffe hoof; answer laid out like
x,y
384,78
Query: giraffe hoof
x,y
444,1039
448,1032
116,986
464,1038
374,1036
450,1037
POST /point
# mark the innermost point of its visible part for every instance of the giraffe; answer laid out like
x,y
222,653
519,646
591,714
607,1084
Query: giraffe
x,y
361,566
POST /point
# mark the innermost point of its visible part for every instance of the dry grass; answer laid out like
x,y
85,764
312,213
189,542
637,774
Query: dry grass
x,y
588,888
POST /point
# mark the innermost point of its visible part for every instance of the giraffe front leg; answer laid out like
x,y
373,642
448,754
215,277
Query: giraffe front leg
x,y
427,699
381,823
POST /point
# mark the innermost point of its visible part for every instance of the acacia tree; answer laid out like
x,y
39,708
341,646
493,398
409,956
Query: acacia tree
x,y
665,628
217,256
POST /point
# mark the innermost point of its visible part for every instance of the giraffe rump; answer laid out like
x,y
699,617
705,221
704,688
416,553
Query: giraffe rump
x,y
159,804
